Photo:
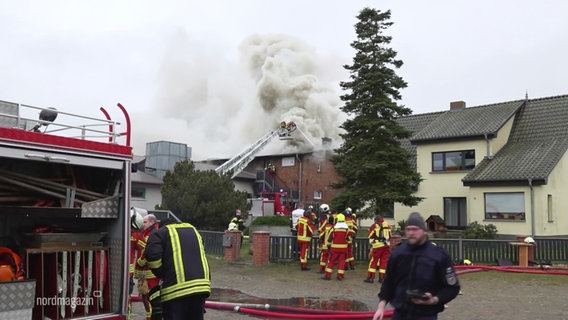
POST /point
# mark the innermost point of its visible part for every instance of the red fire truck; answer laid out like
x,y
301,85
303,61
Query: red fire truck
x,y
281,201
64,212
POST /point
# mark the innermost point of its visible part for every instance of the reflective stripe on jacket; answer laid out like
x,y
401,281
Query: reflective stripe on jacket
x,y
176,254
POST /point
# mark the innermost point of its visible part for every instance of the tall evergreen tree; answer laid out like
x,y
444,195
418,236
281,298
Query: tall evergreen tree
x,y
203,198
375,169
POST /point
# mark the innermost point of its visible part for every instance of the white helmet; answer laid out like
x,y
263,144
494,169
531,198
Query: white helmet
x,y
324,208
136,219
529,240
348,211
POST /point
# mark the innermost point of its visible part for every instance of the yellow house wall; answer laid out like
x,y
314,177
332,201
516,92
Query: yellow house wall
x,y
558,189
437,185
501,138
555,187
476,210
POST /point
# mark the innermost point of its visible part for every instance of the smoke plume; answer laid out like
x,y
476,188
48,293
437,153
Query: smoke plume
x,y
219,106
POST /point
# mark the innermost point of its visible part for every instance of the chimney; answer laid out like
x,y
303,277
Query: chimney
x,y
326,142
457,105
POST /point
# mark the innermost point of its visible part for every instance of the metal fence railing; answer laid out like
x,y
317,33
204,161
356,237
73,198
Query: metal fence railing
x,y
478,251
213,242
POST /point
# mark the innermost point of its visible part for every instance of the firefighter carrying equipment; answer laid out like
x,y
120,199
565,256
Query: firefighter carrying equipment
x,y
11,267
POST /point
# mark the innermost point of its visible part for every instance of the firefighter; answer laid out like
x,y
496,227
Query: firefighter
x,y
238,219
337,242
146,279
350,259
305,230
176,254
326,224
379,238
136,224
313,215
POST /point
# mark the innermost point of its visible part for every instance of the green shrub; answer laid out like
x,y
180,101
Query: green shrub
x,y
475,230
399,228
271,221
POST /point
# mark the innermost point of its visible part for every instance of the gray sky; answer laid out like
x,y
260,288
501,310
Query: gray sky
x,y
217,75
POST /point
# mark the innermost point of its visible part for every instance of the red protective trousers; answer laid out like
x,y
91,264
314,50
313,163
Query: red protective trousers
x,y
304,245
336,255
324,258
380,257
152,282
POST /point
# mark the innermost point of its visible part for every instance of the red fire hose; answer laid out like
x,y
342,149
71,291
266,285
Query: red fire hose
x,y
274,311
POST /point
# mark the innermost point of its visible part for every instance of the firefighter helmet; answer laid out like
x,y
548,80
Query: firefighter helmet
x,y
324,208
529,240
10,265
348,211
136,219
340,217
6,273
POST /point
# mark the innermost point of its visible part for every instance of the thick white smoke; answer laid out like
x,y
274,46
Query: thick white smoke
x,y
219,106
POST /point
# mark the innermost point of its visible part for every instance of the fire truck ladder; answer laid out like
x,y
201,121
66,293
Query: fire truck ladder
x,y
237,163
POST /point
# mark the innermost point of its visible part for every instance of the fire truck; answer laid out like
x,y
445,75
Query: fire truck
x,y
268,202
64,213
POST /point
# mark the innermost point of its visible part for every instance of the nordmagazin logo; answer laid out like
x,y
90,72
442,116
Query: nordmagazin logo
x,y
68,301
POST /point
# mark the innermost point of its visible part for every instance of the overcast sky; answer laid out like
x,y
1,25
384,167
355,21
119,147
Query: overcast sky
x,y
217,75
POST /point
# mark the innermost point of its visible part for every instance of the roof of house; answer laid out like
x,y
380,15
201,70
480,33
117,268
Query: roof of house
x,y
465,123
415,124
538,139
145,178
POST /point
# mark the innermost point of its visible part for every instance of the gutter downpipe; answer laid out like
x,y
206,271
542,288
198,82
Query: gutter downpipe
x,y
299,179
532,208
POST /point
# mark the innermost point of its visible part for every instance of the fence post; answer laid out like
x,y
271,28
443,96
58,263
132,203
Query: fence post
x,y
233,251
460,248
260,247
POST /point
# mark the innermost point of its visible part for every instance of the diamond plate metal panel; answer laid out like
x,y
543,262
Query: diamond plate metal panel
x,y
11,109
116,276
16,314
103,208
17,295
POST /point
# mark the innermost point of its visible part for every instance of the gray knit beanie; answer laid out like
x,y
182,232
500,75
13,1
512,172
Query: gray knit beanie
x,y
416,220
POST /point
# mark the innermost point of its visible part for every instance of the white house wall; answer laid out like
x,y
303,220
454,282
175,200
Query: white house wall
x,y
153,197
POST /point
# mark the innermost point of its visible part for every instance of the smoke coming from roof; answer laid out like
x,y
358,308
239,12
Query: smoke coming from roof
x,y
219,106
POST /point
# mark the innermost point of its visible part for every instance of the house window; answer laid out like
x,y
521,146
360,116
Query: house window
x,y
453,160
505,206
549,208
455,212
288,162
138,192
317,194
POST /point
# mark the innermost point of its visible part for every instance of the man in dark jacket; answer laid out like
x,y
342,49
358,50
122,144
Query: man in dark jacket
x,y
175,253
420,277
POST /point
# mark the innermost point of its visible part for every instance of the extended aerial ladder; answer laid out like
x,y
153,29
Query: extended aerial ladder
x,y
237,163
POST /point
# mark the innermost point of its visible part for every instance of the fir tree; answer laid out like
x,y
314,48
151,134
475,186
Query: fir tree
x,y
375,169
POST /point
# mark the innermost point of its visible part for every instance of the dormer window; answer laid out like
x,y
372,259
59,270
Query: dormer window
x,y
453,160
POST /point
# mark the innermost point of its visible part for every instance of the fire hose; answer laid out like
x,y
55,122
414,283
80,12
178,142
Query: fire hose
x,y
288,312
